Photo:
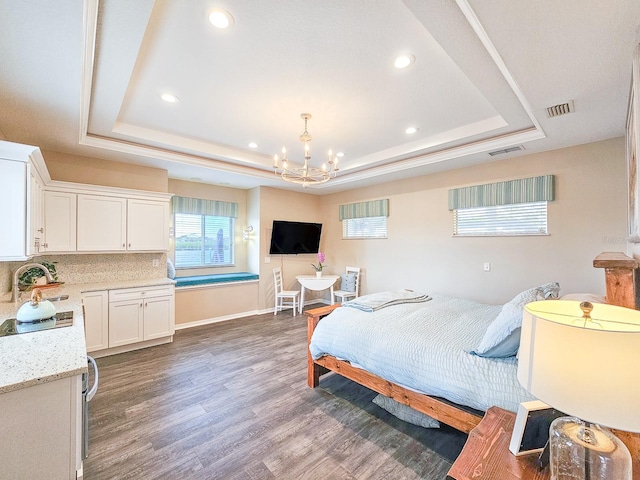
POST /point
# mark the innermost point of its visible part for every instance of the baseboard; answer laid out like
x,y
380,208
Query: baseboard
x,y
209,321
130,347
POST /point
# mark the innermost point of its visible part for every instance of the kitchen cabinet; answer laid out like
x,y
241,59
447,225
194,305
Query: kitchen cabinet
x,y
141,314
60,222
96,319
147,225
102,223
109,223
40,430
36,212
21,200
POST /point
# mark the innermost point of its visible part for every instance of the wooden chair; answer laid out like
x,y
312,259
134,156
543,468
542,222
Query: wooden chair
x,y
345,294
281,295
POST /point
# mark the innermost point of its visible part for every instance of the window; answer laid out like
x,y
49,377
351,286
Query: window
x,y
365,219
366,227
204,232
513,219
203,240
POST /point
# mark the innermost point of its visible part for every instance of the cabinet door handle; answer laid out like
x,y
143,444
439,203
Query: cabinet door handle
x,y
41,230
123,245
129,245
146,304
140,304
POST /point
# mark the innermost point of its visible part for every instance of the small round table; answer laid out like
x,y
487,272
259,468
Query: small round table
x,y
312,282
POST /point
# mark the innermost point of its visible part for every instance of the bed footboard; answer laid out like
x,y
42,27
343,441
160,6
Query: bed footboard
x,y
446,412
313,317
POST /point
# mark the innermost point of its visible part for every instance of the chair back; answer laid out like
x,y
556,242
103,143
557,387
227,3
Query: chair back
x,y
355,270
277,279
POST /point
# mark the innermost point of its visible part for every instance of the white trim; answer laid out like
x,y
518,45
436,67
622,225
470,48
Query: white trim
x,y
224,318
83,188
473,20
131,347
90,28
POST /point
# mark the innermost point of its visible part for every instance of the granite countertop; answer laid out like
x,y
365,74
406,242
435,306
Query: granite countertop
x,y
39,357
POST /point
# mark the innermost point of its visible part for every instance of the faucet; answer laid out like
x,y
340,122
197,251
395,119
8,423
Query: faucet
x,y
15,294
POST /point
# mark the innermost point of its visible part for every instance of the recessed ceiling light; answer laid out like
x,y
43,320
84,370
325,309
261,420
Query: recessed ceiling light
x,y
404,61
253,145
220,18
340,154
169,98
411,130
196,179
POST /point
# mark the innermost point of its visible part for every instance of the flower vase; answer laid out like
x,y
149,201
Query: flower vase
x,y
318,274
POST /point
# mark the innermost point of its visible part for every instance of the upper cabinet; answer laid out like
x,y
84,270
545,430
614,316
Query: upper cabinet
x,y
21,195
59,222
39,215
114,224
107,220
102,223
147,225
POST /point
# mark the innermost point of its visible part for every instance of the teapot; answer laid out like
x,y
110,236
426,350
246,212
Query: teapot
x,y
35,309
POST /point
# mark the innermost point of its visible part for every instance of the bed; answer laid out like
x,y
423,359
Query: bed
x,y
459,386
421,354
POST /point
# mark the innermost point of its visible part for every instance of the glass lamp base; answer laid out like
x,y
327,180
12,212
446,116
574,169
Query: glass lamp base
x,y
585,451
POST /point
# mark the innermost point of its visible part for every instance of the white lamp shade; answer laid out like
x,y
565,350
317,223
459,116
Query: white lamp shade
x,y
588,369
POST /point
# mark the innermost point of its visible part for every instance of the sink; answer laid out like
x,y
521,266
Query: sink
x,y
57,299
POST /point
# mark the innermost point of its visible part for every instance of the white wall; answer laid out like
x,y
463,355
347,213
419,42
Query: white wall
x,y
589,216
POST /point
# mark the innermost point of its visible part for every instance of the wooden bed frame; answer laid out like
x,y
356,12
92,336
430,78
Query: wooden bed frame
x,y
622,289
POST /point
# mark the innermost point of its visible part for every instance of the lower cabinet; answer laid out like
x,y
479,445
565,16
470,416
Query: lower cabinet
x,y
40,431
96,320
128,316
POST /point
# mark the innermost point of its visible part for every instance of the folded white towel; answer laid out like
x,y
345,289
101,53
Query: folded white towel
x,y
376,301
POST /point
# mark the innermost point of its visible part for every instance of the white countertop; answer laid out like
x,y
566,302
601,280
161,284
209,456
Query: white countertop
x,y
38,357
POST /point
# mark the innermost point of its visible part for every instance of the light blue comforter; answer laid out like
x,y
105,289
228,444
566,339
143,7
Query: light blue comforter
x,y
423,347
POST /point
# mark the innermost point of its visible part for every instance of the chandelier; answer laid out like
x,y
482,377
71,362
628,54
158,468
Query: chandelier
x,y
304,174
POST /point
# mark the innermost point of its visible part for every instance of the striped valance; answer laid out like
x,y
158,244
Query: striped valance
x,y
374,208
524,190
200,206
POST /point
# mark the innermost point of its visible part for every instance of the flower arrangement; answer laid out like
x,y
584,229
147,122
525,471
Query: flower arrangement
x,y
320,260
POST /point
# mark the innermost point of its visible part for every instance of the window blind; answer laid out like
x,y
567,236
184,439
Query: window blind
x,y
524,190
373,208
200,206
500,220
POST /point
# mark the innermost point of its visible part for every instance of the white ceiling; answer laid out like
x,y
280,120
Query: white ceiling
x,y
85,77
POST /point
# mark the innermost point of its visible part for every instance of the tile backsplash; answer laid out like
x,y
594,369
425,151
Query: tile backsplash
x,y
95,268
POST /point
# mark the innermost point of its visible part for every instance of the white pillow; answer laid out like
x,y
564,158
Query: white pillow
x,y
502,337
404,412
171,269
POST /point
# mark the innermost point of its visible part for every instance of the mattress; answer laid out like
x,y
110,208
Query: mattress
x,y
425,347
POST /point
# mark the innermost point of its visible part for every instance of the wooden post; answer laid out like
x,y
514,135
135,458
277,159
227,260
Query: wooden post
x,y
313,317
620,271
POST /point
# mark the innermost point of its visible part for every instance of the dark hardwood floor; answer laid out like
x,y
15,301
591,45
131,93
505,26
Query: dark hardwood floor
x,y
230,401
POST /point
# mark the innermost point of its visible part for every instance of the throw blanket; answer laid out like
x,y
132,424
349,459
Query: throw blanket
x,y
376,301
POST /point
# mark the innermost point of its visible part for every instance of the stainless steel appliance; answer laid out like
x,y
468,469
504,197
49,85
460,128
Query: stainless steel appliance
x,y
87,396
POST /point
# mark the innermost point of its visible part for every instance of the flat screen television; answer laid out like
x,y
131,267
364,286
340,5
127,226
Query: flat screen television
x,y
293,238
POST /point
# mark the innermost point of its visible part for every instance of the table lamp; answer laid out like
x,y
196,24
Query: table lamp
x,y
582,359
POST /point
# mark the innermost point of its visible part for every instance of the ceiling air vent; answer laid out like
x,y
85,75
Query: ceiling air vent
x,y
561,109
506,150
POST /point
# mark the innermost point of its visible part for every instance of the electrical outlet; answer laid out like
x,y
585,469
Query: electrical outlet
x,y
155,262
487,266
267,259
